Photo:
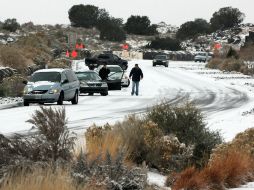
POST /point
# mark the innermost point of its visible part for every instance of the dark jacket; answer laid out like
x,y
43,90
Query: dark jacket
x,y
104,73
136,74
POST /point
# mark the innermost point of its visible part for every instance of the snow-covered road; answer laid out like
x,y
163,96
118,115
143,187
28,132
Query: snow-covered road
x,y
222,101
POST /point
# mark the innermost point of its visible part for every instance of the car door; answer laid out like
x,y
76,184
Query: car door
x,y
65,84
114,81
73,83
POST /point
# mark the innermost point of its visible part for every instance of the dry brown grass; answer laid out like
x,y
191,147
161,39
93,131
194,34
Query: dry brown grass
x,y
247,53
100,140
229,64
228,170
236,167
189,179
45,179
13,57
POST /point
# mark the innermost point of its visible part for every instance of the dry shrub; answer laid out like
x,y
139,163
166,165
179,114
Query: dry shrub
x,y
243,141
102,140
230,169
12,86
108,171
229,64
36,47
186,122
141,141
56,140
189,179
214,63
59,63
13,57
246,53
231,164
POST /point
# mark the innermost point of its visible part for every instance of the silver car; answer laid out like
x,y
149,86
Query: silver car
x,y
51,85
125,81
203,57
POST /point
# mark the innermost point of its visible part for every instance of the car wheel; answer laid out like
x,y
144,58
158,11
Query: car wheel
x,y
166,65
41,103
26,103
128,83
75,98
90,94
104,93
60,99
154,65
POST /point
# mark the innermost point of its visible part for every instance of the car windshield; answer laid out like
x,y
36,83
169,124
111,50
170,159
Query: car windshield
x,y
103,57
46,76
160,57
115,76
88,76
115,69
202,54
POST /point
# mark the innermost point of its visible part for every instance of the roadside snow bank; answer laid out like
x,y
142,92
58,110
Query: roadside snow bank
x,y
10,102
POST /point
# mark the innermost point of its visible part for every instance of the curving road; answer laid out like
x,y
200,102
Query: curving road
x,y
218,100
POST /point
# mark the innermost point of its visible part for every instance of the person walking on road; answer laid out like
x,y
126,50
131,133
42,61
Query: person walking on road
x,y
136,75
104,72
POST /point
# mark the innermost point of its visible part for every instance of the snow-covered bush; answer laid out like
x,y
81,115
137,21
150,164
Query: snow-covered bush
x,y
187,124
141,141
52,142
108,172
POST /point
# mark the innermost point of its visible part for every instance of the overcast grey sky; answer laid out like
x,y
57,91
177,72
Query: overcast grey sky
x,y
173,12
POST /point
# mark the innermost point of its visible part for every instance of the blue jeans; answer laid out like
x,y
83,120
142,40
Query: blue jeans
x,y
135,84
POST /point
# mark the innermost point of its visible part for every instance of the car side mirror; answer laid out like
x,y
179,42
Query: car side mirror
x,y
25,82
64,81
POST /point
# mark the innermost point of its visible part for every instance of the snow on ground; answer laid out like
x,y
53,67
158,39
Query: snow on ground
x,y
226,100
156,179
249,186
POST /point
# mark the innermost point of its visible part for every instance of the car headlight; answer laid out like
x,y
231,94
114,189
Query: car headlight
x,y
54,91
27,90
83,84
104,85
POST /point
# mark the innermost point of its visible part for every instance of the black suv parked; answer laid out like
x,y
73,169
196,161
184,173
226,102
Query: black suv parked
x,y
160,60
108,58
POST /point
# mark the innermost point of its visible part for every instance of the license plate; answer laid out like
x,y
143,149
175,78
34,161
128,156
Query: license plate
x,y
36,97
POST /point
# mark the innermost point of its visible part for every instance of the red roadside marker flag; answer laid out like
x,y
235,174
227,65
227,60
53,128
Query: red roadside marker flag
x,y
74,54
217,46
67,54
125,46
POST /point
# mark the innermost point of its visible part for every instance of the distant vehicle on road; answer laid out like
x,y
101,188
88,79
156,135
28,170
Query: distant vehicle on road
x,y
203,57
115,69
160,59
51,85
91,82
108,58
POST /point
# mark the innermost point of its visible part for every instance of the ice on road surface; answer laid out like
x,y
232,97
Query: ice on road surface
x,y
224,102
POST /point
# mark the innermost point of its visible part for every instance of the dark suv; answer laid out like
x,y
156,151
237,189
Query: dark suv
x,y
108,58
160,60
